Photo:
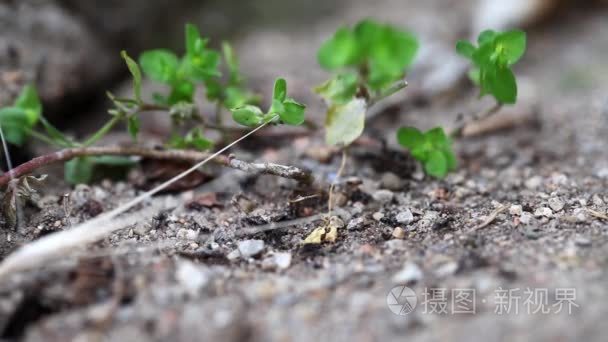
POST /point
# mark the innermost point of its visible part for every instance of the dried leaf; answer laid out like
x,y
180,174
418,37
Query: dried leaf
x,y
316,237
18,192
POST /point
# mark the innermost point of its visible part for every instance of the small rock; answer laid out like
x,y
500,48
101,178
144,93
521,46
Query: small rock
x,y
391,181
191,277
357,223
582,241
534,182
556,204
516,210
232,256
142,229
405,217
383,196
410,273
543,212
378,216
336,222
580,214
282,260
446,269
250,248
398,233
526,217
597,200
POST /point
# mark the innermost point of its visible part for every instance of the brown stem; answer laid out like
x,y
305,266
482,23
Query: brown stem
x,y
291,172
457,132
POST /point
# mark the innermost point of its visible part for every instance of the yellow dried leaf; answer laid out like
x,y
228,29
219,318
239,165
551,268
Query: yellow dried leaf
x,y
316,237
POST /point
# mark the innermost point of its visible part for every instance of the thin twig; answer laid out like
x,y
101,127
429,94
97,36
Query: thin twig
x,y
597,214
333,184
291,172
492,217
457,132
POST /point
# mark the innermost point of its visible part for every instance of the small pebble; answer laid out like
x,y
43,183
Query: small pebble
x,y
250,248
556,204
516,210
582,241
398,233
410,273
357,223
378,216
405,217
597,200
533,183
544,211
526,217
191,277
391,181
383,196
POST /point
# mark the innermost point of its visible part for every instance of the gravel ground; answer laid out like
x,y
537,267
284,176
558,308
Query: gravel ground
x,y
193,272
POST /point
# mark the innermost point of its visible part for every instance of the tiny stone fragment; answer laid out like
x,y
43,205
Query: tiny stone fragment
x,y
250,248
405,217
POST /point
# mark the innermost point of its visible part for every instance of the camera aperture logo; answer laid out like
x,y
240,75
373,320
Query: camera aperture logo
x,y
401,300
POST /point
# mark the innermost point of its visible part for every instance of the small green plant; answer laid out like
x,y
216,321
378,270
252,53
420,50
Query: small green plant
x,y
432,148
369,61
492,59
283,109
200,66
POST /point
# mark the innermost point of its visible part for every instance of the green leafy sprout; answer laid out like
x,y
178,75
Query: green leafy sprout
x,y
369,63
432,148
492,59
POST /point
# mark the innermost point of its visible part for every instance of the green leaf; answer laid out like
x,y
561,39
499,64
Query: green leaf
x,y
339,51
232,62
450,158
277,107
437,137
512,44
502,84
486,36
160,65
345,123
79,170
136,73
194,139
340,89
194,43
204,65
410,137
238,97
197,140
29,101
475,76
214,89
55,134
436,164
465,48
248,115
293,113
181,92
133,124
15,125
280,90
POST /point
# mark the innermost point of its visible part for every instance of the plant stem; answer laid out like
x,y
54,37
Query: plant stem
x,y
290,172
42,137
457,132
102,131
333,184
395,87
